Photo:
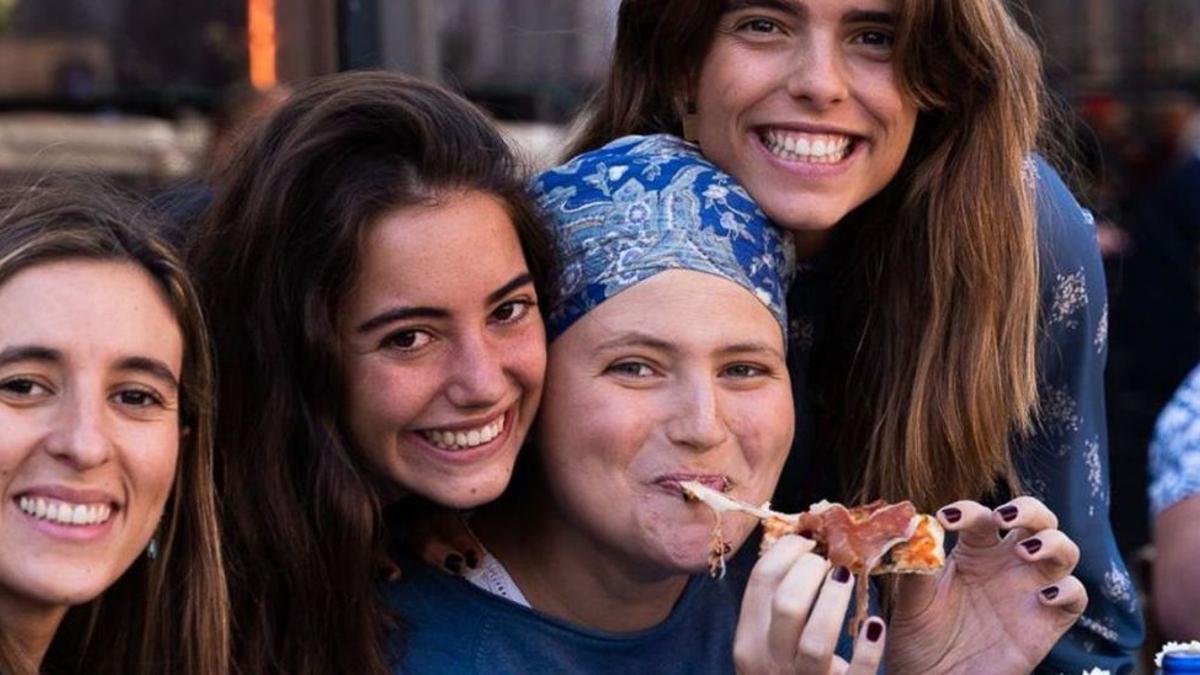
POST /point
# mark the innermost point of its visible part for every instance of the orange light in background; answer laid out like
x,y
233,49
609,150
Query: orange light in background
x,y
261,33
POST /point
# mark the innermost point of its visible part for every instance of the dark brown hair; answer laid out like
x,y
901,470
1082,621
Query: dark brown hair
x,y
276,256
167,614
929,369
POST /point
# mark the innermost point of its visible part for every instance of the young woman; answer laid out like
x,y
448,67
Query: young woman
x,y
667,364
950,317
109,552
373,270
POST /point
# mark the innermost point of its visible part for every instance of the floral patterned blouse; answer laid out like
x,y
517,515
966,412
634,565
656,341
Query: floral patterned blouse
x,y
1175,448
1065,463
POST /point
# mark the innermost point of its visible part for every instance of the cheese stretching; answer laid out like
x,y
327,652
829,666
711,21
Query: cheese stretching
x,y
876,538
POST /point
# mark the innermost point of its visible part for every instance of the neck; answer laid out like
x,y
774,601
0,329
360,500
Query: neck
x,y
566,574
29,626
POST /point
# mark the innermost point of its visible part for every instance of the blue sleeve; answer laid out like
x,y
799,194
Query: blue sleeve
x,y
1175,448
1065,462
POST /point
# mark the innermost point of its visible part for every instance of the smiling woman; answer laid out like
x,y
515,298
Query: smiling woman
x,y
951,317
104,386
373,269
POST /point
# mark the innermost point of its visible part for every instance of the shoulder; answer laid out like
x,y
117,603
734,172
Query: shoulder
x,y
1066,230
1175,448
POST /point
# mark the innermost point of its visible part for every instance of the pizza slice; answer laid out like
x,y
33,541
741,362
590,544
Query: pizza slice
x,y
876,538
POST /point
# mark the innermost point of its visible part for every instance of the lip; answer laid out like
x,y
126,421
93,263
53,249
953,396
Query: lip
x,y
472,455
67,533
671,482
812,170
64,493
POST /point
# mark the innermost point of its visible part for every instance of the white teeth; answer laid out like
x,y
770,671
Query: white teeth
x,y
796,147
459,440
64,513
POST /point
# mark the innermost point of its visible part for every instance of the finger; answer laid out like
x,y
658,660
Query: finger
x,y
790,605
972,521
1025,515
1052,551
868,648
1067,595
820,634
457,536
749,644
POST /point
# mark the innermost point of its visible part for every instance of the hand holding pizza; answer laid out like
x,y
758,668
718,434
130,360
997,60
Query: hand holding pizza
x,y
1000,603
792,615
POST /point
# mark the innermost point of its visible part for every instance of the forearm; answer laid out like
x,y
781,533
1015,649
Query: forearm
x,y
1176,590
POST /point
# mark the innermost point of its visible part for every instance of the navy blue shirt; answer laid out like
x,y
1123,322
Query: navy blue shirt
x,y
1065,462
452,626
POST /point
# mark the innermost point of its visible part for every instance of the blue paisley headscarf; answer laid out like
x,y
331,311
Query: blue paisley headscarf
x,y
642,205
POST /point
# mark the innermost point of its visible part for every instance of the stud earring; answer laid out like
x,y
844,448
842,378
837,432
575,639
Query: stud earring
x,y
152,548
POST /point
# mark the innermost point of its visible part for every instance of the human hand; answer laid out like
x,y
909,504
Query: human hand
x,y
440,537
1000,603
792,615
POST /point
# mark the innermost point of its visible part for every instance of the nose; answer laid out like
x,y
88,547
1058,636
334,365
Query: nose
x,y
818,73
476,374
697,422
81,435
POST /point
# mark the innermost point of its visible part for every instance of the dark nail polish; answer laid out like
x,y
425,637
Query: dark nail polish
x,y
841,574
1050,592
1032,545
472,559
874,630
1008,513
454,563
807,534
951,514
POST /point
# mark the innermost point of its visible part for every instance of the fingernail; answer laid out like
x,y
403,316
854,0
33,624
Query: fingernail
x,y
454,563
472,559
841,574
1050,592
807,534
951,514
874,630
1032,545
1008,513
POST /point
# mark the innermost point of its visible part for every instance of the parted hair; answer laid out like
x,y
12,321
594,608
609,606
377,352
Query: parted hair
x,y
276,256
928,370
169,614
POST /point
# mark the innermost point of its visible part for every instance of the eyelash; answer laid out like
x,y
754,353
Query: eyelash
x,y
521,309
888,37
150,398
622,369
28,384
758,371
392,339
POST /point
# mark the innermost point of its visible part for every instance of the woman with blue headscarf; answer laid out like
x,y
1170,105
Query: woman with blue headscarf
x,y
667,364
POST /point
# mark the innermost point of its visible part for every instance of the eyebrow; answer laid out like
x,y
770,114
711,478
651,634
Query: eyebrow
x,y
152,367
402,313
142,364
751,348
30,353
636,339
853,16
777,5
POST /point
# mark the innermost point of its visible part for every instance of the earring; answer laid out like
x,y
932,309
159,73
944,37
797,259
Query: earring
x,y
689,121
152,548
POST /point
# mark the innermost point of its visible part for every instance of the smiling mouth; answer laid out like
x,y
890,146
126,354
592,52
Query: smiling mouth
x,y
794,146
465,439
719,483
65,513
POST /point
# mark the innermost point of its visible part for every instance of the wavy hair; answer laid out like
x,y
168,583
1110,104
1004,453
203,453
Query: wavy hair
x,y
929,369
278,253
169,614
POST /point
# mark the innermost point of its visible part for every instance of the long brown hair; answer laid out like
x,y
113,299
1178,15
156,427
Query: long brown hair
x,y
168,614
929,369
278,253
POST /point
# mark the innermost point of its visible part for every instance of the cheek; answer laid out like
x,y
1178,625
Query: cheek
x,y
151,457
526,358
381,394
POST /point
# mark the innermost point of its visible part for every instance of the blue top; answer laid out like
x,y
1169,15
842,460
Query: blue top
x,y
1175,448
1065,462
452,626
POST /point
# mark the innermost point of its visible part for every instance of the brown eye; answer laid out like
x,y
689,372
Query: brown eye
x,y
407,340
511,312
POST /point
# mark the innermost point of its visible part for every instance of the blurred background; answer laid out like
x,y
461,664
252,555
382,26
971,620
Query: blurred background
x,y
152,94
